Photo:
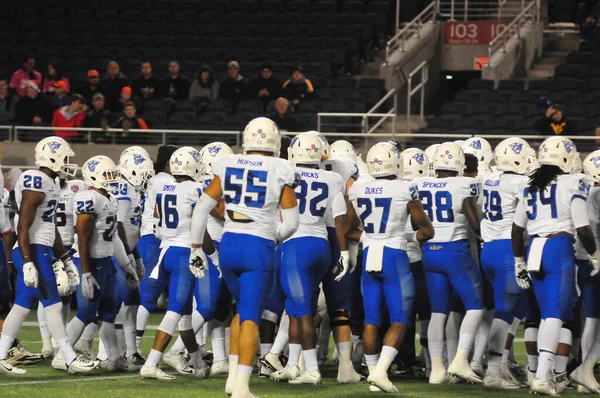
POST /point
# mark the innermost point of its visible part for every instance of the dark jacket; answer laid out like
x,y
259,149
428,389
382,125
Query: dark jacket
x,y
548,126
133,123
287,122
234,89
8,107
94,118
112,89
177,89
151,85
28,108
273,86
300,90
58,102
87,92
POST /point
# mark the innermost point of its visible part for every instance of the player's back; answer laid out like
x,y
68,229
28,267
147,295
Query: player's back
x,y
500,193
346,168
549,211
252,186
128,198
105,210
382,207
64,210
149,202
316,192
43,230
175,203
442,200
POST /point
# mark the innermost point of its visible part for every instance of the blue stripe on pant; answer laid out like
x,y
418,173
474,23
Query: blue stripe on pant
x,y
46,292
450,266
304,263
150,288
247,262
104,304
393,286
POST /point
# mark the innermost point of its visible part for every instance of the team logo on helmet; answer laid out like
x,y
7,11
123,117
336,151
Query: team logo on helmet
x,y
377,161
596,161
568,146
448,155
294,140
137,159
395,151
195,155
54,146
419,158
214,150
476,144
516,147
92,165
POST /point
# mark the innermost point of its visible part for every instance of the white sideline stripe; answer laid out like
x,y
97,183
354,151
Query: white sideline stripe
x,y
71,380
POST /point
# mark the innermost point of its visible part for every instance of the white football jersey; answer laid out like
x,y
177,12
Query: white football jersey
x,y
346,168
43,230
442,200
593,210
252,186
105,226
382,207
413,249
7,226
175,202
129,211
316,192
149,202
215,226
64,210
500,193
548,212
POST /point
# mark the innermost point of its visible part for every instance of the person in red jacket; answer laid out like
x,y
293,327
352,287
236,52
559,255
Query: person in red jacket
x,y
70,116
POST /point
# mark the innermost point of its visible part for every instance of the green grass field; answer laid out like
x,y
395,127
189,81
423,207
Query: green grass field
x,y
43,381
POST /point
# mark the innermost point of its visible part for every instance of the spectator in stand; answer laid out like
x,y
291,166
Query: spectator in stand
x,y
71,115
589,29
92,86
265,87
298,88
8,102
126,96
129,120
54,75
175,87
113,83
235,86
97,116
554,122
204,85
25,74
283,117
59,97
33,109
145,86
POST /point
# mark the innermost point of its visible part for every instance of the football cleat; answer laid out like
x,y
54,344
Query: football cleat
x,y
81,365
530,377
154,373
582,390
59,363
477,368
347,374
272,362
463,371
219,367
130,364
499,383
585,379
307,377
109,365
86,349
381,381
139,359
201,370
178,362
561,380
47,349
546,387
19,356
439,377
287,373
507,374
8,369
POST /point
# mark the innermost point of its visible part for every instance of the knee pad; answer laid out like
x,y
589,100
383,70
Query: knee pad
x,y
335,315
532,324
269,316
185,323
169,322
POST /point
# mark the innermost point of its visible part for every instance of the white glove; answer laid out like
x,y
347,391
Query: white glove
x,y
353,253
595,263
521,273
88,283
72,273
139,268
131,276
30,275
198,262
342,265
215,260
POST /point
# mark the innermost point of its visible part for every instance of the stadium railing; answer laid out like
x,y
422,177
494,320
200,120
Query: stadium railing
x,y
411,29
528,15
423,68
466,10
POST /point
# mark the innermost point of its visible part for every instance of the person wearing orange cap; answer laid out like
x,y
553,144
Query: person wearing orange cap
x,y
54,75
92,86
58,97
126,96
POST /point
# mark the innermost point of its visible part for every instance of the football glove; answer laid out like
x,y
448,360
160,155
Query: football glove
x,y
30,275
595,261
521,273
131,276
198,262
72,273
215,260
139,268
88,283
342,266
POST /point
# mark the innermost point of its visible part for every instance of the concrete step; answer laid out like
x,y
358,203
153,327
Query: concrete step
x,y
554,60
543,66
540,74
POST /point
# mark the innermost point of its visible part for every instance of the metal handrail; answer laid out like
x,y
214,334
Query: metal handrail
x,y
412,28
470,10
371,113
513,28
423,67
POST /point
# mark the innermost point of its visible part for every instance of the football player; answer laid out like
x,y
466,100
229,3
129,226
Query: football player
x,y
258,189
483,151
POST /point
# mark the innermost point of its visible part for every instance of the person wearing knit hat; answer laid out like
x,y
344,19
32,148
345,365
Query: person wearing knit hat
x,y
126,96
235,86
33,108
298,88
265,86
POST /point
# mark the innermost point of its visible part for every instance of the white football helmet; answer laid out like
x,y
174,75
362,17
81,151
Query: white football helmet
x,y
212,152
186,161
262,135
512,155
101,172
62,279
591,166
343,150
414,164
55,153
137,149
558,151
383,159
532,160
449,156
305,149
324,143
430,152
480,148
459,142
577,164
136,168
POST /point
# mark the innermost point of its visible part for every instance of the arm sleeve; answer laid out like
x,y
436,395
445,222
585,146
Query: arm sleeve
x,y
521,215
119,251
200,218
579,212
124,204
290,218
338,207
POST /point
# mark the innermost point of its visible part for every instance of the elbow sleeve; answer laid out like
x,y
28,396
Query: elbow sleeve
x,y
289,224
200,218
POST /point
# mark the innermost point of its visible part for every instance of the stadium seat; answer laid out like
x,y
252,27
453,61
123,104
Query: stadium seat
x,y
183,118
546,85
481,84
